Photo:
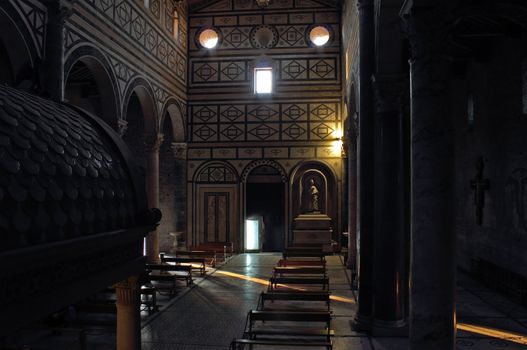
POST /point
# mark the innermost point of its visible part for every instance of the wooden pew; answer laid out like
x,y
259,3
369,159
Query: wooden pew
x,y
239,344
223,250
168,273
297,281
318,297
296,326
289,262
279,271
303,254
195,263
209,256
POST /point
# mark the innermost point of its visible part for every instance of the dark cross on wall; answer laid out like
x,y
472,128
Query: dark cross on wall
x,y
479,185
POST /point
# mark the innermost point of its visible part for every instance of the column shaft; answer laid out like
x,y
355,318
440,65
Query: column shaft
x,y
366,164
433,249
152,191
128,318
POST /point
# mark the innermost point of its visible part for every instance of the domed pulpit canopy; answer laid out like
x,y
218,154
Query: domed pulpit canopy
x,y
73,209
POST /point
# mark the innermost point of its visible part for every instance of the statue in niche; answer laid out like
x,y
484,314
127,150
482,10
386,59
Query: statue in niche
x,y
314,194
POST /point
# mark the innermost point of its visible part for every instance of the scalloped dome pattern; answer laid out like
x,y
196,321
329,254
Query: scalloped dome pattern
x,y
61,176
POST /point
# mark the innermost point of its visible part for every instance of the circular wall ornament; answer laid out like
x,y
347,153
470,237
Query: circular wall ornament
x,y
208,38
319,35
264,37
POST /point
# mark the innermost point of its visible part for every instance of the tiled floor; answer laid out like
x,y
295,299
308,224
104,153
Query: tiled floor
x,y
213,312
209,314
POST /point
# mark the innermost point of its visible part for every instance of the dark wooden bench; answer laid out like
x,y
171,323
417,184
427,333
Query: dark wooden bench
x,y
303,254
195,263
169,274
323,297
222,250
295,326
209,256
239,344
279,271
289,281
283,262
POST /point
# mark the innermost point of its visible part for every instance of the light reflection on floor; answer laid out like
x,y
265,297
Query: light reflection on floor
x,y
476,329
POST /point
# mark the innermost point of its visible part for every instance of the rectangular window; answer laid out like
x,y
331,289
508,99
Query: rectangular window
x,y
175,25
146,3
263,80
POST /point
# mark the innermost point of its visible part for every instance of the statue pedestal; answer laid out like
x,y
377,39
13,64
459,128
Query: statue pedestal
x,y
312,228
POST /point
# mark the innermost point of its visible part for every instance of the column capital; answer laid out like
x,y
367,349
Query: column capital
x,y
389,91
126,291
122,126
153,142
179,149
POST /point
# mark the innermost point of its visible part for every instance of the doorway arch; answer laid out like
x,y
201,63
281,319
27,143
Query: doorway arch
x,y
265,198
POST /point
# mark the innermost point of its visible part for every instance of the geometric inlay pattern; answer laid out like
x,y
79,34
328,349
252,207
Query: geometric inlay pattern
x,y
263,132
205,72
322,112
205,113
216,173
294,69
232,132
323,69
205,133
231,113
322,131
294,112
293,35
262,112
294,131
36,19
232,71
141,28
235,38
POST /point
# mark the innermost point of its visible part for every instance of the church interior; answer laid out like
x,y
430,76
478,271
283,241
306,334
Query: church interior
x,y
263,174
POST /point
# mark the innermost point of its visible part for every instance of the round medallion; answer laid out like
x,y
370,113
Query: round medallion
x,y
208,38
264,37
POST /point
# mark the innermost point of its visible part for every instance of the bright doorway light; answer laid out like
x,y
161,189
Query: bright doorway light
x,y
263,80
252,230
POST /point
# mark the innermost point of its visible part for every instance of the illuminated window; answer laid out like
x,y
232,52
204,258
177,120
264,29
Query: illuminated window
x,y
175,23
208,38
263,80
319,35
146,3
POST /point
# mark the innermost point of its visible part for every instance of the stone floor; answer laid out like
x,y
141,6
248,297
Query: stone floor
x,y
210,313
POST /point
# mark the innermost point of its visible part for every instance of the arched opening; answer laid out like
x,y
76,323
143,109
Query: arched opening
x,y
17,55
88,86
265,201
172,186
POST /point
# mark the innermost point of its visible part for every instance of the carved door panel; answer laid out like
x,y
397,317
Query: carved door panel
x,y
217,217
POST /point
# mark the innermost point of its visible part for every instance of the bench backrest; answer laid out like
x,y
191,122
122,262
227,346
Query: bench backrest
x,y
291,316
166,267
283,262
306,254
299,280
182,260
319,296
305,270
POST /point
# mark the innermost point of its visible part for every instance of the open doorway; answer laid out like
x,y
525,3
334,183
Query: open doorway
x,y
265,198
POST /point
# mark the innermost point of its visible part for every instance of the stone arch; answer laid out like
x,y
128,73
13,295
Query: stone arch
x,y
263,162
144,92
216,172
22,53
87,57
173,109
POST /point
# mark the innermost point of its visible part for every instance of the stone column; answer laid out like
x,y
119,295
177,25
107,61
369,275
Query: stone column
x,y
389,250
128,318
52,66
180,177
352,192
152,142
366,164
433,249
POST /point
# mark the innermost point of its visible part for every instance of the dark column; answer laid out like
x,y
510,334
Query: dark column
x,y
352,194
389,249
152,142
52,66
365,161
433,250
